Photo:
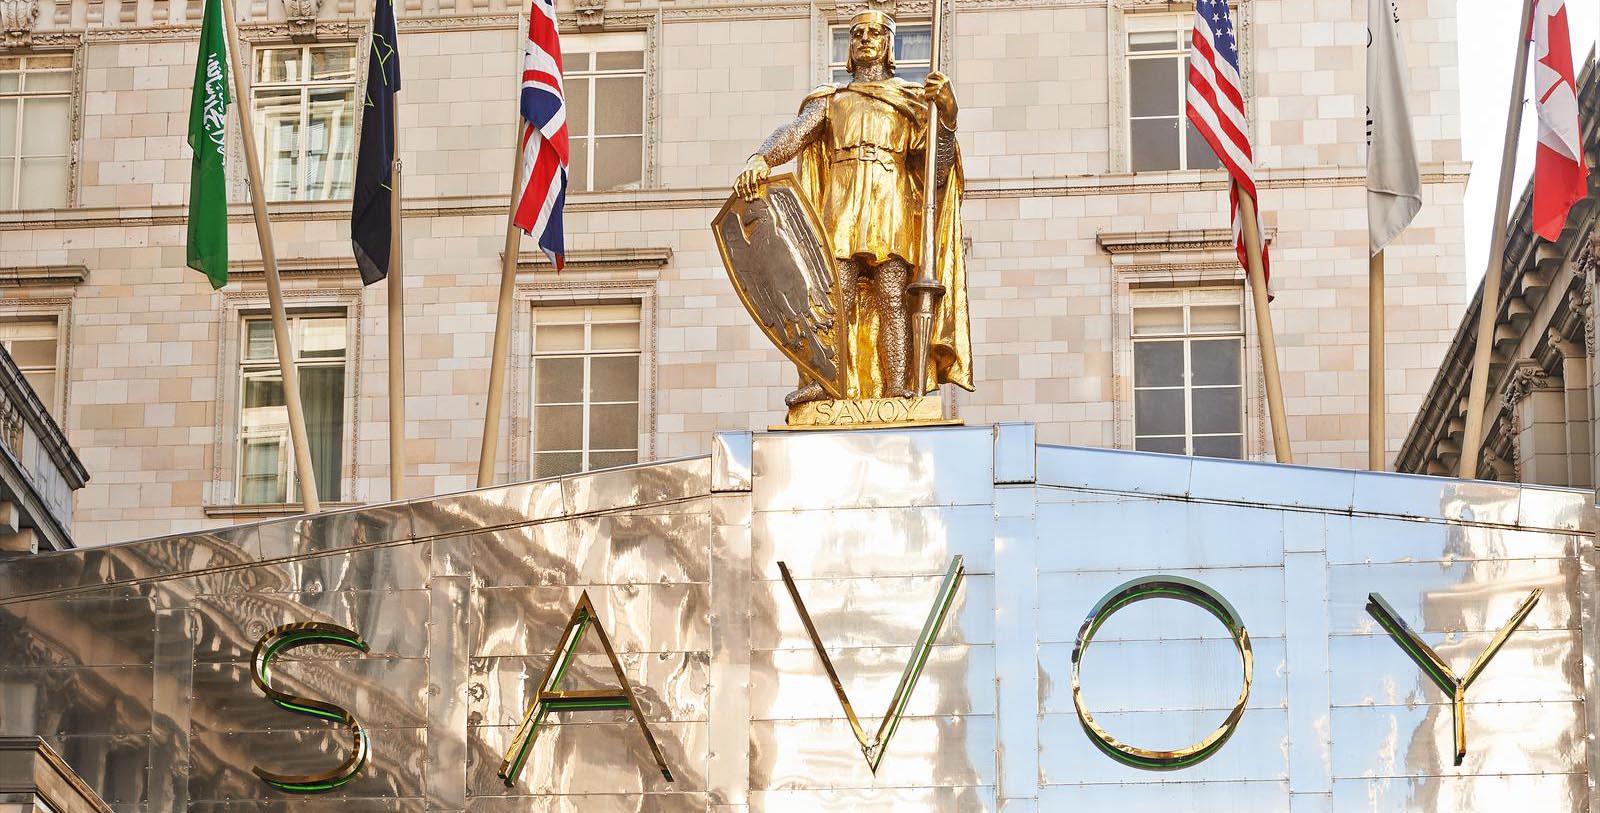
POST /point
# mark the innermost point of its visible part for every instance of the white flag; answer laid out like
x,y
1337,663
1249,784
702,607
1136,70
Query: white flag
x,y
1394,183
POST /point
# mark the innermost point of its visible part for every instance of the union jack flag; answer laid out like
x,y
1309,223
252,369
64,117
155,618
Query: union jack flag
x,y
1216,108
544,135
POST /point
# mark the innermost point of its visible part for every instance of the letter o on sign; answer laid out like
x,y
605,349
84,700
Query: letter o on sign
x,y
1145,589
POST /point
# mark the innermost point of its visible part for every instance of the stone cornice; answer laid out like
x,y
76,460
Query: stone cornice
x,y
41,276
622,259
1160,241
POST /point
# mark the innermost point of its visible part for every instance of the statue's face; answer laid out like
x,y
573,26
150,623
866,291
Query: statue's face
x,y
869,44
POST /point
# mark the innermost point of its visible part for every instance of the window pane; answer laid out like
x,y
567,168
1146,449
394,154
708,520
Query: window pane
x,y
1155,144
280,141
558,380
558,427
259,343
1153,41
10,82
615,337
841,46
618,162
578,165
1157,320
1201,156
1230,446
1165,445
322,338
8,131
577,97
57,61
913,74
48,81
576,62
43,183
546,464
614,426
45,130
605,460
1214,318
913,43
841,75
1217,410
44,386
8,182
619,61
1153,87
330,139
619,105
33,352
336,63
1158,412
1158,364
557,337
1214,362
279,65
263,402
261,471
614,313
322,399
614,378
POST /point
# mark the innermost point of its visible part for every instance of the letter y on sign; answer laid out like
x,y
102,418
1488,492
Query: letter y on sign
x,y
874,748
1434,666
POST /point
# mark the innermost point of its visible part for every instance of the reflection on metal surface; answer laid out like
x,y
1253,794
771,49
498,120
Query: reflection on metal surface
x,y
1144,589
874,748
552,697
278,641
1436,669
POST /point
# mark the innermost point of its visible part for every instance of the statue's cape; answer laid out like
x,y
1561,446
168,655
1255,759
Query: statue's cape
x,y
951,361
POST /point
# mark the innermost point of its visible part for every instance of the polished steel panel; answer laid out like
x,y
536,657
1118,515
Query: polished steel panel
x,y
133,660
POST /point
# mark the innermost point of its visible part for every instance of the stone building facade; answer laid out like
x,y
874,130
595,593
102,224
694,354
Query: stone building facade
x,y
1107,306
1540,423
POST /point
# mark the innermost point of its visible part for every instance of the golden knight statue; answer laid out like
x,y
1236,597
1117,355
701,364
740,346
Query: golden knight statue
x,y
860,154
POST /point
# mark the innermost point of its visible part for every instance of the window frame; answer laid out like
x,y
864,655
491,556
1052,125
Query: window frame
x,y
245,368
609,43
22,95
1187,299
835,67
305,86
587,353
54,401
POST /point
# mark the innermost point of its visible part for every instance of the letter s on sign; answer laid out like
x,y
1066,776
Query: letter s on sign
x,y
275,643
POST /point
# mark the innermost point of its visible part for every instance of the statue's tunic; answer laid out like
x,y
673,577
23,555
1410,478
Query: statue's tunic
x,y
869,143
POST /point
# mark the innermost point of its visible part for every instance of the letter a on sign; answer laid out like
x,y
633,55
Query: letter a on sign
x,y
1434,666
551,697
874,748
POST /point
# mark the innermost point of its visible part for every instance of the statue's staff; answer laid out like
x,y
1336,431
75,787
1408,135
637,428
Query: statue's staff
x,y
926,290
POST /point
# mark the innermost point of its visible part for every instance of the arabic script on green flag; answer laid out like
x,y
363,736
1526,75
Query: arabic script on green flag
x,y
208,186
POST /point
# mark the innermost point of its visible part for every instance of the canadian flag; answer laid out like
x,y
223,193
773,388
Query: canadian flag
x,y
1560,178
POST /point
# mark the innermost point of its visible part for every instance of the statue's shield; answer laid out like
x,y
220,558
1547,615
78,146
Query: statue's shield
x,y
778,258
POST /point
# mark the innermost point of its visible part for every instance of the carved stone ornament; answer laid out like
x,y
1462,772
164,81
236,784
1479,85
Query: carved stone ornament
x,y
591,15
1587,262
17,18
302,19
1527,376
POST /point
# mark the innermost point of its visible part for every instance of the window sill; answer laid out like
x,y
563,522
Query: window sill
x,y
270,509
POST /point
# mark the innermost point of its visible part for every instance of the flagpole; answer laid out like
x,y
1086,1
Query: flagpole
x,y
926,290
502,327
1489,302
269,263
1377,434
397,324
1269,342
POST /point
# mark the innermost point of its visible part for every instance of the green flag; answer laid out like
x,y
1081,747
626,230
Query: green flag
x,y
208,184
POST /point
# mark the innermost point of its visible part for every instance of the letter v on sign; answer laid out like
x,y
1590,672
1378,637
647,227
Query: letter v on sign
x,y
874,748
1434,666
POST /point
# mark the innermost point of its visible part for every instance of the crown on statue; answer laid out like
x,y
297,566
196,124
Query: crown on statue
x,y
877,17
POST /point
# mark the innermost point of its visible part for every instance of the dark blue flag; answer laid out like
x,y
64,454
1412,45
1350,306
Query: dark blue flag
x,y
370,228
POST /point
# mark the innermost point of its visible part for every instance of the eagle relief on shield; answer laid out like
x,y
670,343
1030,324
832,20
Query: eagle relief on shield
x,y
778,259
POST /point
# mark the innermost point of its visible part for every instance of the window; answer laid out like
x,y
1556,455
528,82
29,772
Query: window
x,y
305,118
585,387
603,76
1160,137
35,130
1188,359
32,344
913,46
266,459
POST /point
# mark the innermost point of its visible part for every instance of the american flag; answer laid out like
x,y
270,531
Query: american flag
x,y
544,135
1216,108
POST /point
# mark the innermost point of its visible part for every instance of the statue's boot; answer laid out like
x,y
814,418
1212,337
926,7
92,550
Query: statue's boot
x,y
806,394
